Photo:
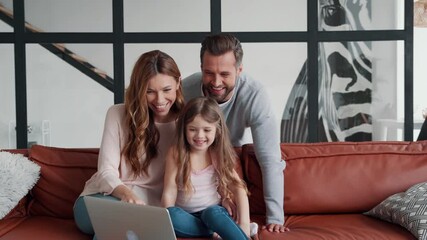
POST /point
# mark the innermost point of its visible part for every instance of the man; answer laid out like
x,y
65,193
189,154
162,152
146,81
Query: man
x,y
247,111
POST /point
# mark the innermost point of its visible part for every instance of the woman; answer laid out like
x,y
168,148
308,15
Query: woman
x,y
137,135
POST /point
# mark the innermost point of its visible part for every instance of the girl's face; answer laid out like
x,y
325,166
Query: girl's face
x,y
161,95
200,134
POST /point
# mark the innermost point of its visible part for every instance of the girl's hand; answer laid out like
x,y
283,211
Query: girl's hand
x,y
272,227
230,207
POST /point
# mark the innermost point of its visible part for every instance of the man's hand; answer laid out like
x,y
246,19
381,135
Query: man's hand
x,y
272,227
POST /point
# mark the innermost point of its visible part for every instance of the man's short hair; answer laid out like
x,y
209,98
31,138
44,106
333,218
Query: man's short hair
x,y
220,44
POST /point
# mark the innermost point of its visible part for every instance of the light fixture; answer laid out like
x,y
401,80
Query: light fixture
x,y
420,13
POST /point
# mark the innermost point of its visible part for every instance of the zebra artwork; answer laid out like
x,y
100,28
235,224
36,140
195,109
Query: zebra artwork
x,y
345,81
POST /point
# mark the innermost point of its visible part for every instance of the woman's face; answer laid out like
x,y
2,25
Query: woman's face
x,y
161,95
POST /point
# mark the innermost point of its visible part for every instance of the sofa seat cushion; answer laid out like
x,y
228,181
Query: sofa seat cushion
x,y
64,172
340,226
42,228
20,210
7,225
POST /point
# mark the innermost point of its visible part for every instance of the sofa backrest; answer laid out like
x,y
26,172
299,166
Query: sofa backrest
x,y
63,174
340,177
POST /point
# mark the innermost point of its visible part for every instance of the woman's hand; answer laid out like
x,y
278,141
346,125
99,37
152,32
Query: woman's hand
x,y
132,198
126,195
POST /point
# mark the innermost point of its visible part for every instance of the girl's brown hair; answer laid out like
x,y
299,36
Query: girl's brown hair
x,y
221,148
143,135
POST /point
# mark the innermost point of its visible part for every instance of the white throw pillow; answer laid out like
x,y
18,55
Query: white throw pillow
x,y
17,176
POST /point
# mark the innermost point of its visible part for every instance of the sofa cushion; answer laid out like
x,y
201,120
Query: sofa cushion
x,y
338,227
43,227
408,209
63,175
339,177
253,179
345,177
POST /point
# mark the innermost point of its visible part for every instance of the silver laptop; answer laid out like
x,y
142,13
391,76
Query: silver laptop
x,y
117,220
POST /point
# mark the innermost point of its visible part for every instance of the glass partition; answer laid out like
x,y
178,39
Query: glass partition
x,y
278,67
5,27
186,56
361,91
7,93
166,16
420,79
66,108
266,15
342,15
98,56
6,13
69,16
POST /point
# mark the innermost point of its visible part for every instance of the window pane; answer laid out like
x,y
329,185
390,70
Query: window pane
x,y
70,16
5,27
278,66
359,91
7,93
65,107
267,15
99,56
420,76
6,11
343,15
186,56
167,16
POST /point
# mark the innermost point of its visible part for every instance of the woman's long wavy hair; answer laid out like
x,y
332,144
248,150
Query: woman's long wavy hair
x,y
143,135
224,155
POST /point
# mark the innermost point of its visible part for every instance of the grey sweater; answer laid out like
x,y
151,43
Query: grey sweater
x,y
250,119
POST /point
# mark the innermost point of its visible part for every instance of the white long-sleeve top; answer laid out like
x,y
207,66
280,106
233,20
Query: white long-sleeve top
x,y
113,169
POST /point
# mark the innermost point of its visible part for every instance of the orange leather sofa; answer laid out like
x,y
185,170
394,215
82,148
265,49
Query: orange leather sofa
x,y
328,187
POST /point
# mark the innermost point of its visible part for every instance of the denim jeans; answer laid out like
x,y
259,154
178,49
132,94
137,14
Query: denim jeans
x,y
81,216
205,223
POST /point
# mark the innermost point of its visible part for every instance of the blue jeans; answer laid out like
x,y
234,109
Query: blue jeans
x,y
81,216
205,223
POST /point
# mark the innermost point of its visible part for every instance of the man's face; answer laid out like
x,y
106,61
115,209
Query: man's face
x,y
219,74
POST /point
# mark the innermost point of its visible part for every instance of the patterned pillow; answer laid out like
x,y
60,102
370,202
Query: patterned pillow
x,y
408,209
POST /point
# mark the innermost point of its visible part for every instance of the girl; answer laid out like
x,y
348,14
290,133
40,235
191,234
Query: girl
x,y
136,137
200,174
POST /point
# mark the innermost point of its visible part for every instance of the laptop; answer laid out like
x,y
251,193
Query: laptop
x,y
120,220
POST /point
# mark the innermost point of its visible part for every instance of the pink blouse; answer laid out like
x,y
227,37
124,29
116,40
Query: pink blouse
x,y
113,169
205,193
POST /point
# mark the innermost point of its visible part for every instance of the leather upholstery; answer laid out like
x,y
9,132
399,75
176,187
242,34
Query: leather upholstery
x,y
328,186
